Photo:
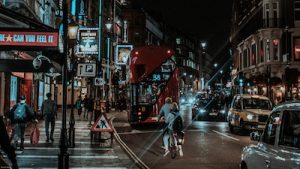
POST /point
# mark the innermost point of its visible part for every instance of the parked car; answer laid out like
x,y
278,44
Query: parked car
x,y
208,109
248,112
278,146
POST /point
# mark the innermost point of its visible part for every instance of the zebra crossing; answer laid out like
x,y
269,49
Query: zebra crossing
x,y
86,154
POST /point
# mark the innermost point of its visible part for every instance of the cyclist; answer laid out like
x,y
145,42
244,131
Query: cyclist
x,y
164,112
174,121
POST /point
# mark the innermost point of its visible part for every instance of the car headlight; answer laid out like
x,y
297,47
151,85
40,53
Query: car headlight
x,y
222,111
191,100
250,116
182,100
202,110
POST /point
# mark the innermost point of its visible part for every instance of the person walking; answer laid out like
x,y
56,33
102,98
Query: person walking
x,y
90,109
6,146
49,109
85,104
19,115
78,105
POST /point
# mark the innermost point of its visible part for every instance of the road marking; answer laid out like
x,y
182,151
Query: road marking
x,y
222,134
84,168
57,148
71,157
76,142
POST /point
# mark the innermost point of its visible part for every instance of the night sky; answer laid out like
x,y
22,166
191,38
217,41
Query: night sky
x,y
206,19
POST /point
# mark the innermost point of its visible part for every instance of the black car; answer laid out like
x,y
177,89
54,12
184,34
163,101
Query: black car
x,y
208,109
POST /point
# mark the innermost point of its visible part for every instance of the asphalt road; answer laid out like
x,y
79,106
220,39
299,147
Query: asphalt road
x,y
208,145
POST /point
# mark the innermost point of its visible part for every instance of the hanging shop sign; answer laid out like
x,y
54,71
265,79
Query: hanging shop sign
x,y
28,39
88,41
122,54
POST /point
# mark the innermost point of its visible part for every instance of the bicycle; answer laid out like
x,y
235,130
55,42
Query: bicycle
x,y
173,145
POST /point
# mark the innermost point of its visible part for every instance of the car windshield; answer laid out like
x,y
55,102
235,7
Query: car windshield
x,y
290,132
256,103
203,102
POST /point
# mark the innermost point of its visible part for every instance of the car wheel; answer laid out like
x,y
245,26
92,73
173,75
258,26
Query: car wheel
x,y
243,165
231,128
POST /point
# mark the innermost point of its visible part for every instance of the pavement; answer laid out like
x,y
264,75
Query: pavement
x,y
86,154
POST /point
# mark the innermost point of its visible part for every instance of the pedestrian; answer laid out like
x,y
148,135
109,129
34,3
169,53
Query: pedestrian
x,y
163,113
85,102
78,105
49,109
90,109
6,146
122,103
19,115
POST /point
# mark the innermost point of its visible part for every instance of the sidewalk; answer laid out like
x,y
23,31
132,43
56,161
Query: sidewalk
x,y
86,154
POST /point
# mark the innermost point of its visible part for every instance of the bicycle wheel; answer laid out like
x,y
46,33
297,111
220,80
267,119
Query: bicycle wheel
x,y
172,147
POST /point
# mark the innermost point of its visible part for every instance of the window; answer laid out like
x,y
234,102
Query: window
x,y
241,61
261,51
297,49
297,10
290,132
253,54
267,50
276,49
269,134
245,58
254,103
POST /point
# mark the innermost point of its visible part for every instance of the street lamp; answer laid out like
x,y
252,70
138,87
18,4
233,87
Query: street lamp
x,y
63,156
108,26
72,33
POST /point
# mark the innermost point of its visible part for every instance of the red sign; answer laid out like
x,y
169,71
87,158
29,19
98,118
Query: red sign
x,y
102,124
37,39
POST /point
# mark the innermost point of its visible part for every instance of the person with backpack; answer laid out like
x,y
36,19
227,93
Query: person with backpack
x,y
78,105
49,109
175,125
6,146
19,115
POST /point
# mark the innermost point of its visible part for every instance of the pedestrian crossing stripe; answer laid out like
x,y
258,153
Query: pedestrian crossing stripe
x,y
102,124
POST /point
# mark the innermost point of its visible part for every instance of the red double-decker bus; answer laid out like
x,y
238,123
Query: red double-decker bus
x,y
153,77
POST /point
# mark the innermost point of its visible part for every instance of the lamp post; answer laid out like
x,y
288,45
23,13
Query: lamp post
x,y
108,26
63,156
72,33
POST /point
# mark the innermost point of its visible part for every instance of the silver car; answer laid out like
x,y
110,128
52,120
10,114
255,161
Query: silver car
x,y
278,146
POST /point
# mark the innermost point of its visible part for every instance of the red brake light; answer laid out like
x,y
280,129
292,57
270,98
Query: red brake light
x,y
168,51
136,52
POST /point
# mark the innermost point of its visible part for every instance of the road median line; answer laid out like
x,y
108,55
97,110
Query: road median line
x,y
222,134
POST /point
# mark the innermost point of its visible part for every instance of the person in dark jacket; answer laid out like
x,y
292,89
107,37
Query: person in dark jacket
x,y
19,115
49,110
5,145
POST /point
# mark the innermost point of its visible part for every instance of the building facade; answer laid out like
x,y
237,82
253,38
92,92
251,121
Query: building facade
x,y
265,37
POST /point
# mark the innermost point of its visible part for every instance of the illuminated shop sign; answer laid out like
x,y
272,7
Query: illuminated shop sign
x,y
88,41
123,53
35,39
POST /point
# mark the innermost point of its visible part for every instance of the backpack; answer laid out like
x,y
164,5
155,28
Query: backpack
x,y
20,112
177,124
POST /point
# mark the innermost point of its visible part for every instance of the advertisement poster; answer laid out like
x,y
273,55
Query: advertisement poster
x,y
13,90
123,54
88,41
41,94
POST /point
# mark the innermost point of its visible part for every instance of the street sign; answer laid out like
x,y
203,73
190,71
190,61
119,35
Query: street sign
x,y
102,124
99,81
86,69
